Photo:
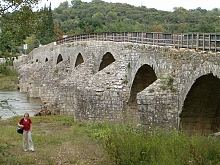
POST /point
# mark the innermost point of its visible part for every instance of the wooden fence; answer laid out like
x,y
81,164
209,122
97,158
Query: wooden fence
x,y
197,41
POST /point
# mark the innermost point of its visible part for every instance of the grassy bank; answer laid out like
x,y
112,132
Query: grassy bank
x,y
8,83
57,140
60,140
8,78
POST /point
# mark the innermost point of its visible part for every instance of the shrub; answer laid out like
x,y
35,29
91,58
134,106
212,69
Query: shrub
x,y
127,146
6,71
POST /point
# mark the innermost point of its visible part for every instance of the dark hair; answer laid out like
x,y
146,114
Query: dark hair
x,y
26,113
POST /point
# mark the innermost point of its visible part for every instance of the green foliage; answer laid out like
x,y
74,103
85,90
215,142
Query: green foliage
x,y
6,71
4,154
45,25
16,22
124,81
100,131
101,16
124,144
55,71
2,149
8,45
168,84
129,146
23,23
32,43
8,78
72,146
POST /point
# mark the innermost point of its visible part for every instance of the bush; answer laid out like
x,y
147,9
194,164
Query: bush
x,y
6,71
8,78
127,146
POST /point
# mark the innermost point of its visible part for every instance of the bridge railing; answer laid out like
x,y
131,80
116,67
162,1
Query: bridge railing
x,y
198,41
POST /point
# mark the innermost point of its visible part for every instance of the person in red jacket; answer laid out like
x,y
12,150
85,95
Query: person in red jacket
x,y
25,123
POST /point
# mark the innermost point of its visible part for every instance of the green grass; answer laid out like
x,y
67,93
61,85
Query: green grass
x,y
8,83
128,146
60,140
8,79
57,140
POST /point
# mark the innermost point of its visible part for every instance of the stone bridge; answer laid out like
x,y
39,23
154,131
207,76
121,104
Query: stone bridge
x,y
126,82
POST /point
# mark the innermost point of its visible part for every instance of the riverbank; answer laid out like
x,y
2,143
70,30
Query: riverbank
x,y
8,78
58,140
9,83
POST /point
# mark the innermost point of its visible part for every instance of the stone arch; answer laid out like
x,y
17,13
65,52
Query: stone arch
x,y
201,109
59,59
143,78
79,60
200,71
143,59
206,69
46,59
107,59
36,60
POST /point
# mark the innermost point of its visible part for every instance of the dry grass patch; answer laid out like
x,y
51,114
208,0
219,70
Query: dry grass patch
x,y
57,139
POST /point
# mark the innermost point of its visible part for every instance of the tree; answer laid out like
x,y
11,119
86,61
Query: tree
x,y
157,28
76,3
97,1
17,21
99,16
46,32
7,6
32,42
58,32
111,17
90,25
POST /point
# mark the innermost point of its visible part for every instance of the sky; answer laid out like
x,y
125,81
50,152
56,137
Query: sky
x,y
166,5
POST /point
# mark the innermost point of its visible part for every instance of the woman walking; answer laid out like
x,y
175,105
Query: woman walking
x,y
25,123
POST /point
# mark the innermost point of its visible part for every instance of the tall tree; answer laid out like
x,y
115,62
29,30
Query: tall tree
x,y
46,32
7,6
17,21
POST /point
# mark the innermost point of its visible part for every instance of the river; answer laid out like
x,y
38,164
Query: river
x,y
14,103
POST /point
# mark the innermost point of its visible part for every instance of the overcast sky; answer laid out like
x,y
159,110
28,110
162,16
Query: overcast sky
x,y
166,5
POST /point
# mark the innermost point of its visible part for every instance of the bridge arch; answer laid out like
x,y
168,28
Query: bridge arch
x,y
59,58
79,60
107,59
143,59
143,78
143,75
200,112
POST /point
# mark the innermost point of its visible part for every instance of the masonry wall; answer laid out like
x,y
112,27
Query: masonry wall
x,y
91,94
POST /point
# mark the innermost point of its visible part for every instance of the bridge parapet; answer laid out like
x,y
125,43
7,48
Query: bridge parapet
x,y
197,41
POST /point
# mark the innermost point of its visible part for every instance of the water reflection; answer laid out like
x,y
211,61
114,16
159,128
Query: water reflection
x,y
14,103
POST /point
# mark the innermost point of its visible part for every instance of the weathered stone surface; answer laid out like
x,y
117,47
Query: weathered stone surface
x,y
117,91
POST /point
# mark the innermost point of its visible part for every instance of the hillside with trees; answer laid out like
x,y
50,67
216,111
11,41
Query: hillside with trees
x,y
99,16
20,24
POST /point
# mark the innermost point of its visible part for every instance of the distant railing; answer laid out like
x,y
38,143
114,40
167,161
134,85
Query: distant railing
x,y
197,41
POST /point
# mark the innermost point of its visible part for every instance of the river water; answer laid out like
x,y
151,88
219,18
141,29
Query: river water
x,y
14,103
